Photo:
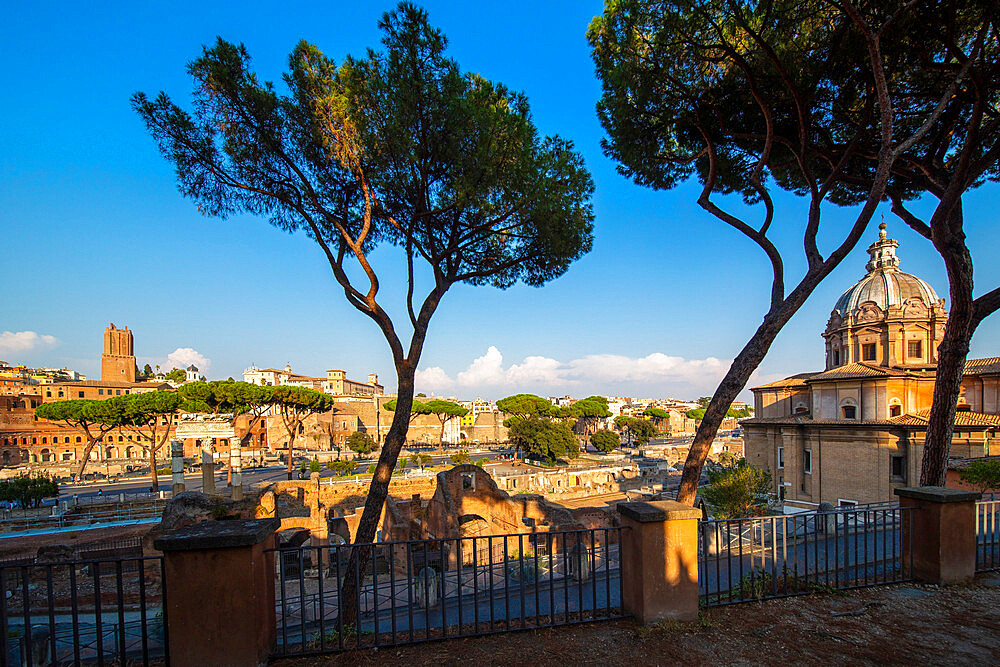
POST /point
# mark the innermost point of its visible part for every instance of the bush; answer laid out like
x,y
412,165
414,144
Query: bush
x,y
314,466
460,459
737,491
982,474
28,490
605,441
361,442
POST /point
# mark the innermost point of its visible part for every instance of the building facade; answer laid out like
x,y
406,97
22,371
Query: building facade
x,y
853,432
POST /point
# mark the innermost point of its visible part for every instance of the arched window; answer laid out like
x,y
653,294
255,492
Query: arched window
x,y
895,408
848,409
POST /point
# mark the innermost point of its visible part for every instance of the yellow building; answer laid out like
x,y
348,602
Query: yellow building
x,y
854,431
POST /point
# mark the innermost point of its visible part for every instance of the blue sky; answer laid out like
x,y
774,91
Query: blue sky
x,y
95,231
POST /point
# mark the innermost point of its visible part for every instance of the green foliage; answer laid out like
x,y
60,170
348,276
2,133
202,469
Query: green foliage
x,y
147,371
371,468
605,441
28,490
303,466
420,460
589,409
737,491
460,459
544,440
622,422
982,474
175,375
417,408
698,414
525,405
342,468
445,410
314,466
299,402
642,430
656,413
361,443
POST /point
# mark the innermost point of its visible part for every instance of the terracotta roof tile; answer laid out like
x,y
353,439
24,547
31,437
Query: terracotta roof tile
x,y
793,381
982,366
858,369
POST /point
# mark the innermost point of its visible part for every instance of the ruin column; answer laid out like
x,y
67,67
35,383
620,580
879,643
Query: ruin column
x,y
938,533
177,466
236,466
230,620
207,466
659,560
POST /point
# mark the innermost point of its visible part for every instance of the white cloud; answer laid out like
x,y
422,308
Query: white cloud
x,y
183,357
24,341
484,370
597,372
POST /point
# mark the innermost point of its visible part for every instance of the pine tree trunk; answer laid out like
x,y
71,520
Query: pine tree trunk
x,y
732,384
954,348
291,443
377,494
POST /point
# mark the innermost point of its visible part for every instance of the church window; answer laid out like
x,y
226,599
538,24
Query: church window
x,y
868,352
781,457
914,349
895,410
807,458
836,357
850,412
897,466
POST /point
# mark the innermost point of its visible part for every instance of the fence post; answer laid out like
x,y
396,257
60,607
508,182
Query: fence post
x,y
219,586
659,560
939,533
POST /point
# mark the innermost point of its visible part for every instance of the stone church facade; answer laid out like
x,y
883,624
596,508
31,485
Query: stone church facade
x,y
853,432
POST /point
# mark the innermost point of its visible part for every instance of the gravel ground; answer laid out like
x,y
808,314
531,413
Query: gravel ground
x,y
891,625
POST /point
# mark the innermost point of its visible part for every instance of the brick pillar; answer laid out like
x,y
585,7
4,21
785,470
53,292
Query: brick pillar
x,y
939,533
219,586
659,560
177,466
207,467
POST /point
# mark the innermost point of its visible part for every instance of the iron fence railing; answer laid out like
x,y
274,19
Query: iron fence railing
x,y
794,554
987,535
420,590
96,611
113,514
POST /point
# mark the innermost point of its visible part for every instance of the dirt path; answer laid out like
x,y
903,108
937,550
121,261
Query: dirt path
x,y
897,625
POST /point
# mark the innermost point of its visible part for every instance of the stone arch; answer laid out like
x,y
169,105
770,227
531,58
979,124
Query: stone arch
x,y
45,455
128,452
6,458
895,407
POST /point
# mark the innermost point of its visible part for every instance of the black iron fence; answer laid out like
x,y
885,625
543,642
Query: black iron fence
x,y
415,591
85,611
987,535
794,554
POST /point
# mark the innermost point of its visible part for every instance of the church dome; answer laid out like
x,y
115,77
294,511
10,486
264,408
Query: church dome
x,y
885,285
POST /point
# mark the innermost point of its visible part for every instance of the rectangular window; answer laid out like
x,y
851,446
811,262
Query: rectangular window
x,y
850,412
118,392
807,461
846,503
781,457
897,467
914,348
79,394
836,357
100,392
868,352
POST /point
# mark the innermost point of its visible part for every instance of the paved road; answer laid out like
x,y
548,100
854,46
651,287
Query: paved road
x,y
192,480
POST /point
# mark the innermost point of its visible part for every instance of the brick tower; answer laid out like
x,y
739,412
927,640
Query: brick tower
x,y
118,360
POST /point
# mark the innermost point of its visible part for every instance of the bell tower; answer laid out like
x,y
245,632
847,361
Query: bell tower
x,y
118,360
